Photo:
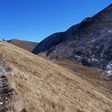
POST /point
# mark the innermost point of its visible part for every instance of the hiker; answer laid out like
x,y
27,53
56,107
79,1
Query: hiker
x,y
3,40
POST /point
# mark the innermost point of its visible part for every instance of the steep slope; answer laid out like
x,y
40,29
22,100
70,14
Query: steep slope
x,y
27,45
38,85
88,42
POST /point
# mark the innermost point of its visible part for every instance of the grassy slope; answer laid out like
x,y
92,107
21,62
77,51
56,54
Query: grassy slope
x,y
90,74
41,86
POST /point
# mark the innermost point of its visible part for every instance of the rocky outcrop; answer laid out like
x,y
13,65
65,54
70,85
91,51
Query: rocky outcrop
x,y
5,95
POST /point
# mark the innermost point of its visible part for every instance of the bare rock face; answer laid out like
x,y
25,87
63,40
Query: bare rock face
x,y
89,42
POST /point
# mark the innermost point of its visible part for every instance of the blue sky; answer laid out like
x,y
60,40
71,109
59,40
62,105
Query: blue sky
x,y
36,19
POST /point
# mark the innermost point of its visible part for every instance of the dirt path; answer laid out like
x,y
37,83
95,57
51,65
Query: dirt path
x,y
5,91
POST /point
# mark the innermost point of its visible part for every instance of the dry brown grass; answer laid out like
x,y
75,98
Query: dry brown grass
x,y
92,75
41,86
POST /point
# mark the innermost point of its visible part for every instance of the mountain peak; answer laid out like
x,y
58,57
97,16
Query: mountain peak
x,y
107,12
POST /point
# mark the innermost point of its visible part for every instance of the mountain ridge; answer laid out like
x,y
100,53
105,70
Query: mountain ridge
x,y
88,42
27,45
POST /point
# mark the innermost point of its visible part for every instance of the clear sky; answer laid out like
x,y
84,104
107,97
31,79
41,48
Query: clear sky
x,y
36,19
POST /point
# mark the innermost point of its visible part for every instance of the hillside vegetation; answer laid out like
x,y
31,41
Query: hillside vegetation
x,y
41,86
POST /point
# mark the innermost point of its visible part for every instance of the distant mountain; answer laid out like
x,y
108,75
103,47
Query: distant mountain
x,y
27,45
89,42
